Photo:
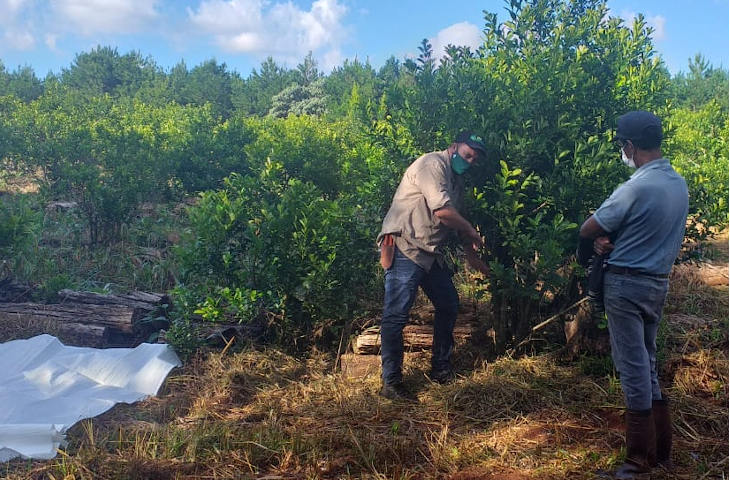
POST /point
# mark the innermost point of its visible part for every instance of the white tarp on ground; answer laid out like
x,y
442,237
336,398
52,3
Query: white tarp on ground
x,y
46,387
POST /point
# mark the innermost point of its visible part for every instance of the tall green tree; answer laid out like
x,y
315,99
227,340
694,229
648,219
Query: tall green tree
x,y
701,84
350,89
307,72
298,99
104,71
22,82
254,96
209,82
544,89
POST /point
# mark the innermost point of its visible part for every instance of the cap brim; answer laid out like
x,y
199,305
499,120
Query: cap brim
x,y
479,148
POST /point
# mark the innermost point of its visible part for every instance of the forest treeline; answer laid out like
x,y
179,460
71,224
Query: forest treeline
x,y
294,167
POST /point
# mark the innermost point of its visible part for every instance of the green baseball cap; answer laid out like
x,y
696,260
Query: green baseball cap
x,y
473,140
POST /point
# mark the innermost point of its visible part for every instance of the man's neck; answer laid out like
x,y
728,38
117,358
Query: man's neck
x,y
642,157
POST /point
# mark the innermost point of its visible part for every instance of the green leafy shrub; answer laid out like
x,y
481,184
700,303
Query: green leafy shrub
x,y
292,242
49,288
19,224
266,246
698,148
528,270
182,335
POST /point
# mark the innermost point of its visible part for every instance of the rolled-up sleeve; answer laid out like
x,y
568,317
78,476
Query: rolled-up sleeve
x,y
432,181
614,210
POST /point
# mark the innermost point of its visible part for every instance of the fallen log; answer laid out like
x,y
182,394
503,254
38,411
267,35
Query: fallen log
x,y
13,328
415,338
119,317
91,331
147,302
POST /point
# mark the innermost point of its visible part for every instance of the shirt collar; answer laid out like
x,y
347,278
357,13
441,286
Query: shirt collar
x,y
658,164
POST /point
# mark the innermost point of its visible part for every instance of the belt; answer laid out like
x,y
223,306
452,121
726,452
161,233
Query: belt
x,y
634,271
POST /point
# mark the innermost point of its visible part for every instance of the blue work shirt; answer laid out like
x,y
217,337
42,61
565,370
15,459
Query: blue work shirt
x,y
646,216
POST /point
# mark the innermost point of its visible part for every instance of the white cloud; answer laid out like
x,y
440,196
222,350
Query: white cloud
x,y
282,30
10,7
459,34
331,60
105,16
246,42
228,17
10,12
50,41
657,22
19,40
16,34
26,24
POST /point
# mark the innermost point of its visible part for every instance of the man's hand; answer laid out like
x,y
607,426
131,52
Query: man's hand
x,y
473,238
473,259
591,229
602,245
470,238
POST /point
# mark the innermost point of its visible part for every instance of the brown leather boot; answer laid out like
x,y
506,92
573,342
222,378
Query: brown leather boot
x,y
663,427
639,437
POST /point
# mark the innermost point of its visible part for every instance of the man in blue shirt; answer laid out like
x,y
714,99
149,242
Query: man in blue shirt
x,y
645,217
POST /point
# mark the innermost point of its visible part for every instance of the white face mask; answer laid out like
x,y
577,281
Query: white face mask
x,y
627,161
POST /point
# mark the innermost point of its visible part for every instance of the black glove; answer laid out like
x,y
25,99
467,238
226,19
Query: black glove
x,y
585,251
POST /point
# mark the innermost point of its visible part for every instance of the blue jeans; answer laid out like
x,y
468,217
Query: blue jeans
x,y
634,306
402,280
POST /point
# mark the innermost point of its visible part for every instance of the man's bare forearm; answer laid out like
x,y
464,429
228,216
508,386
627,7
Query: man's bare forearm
x,y
453,219
591,229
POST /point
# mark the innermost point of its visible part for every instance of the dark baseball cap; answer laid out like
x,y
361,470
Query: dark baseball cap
x,y
473,140
643,128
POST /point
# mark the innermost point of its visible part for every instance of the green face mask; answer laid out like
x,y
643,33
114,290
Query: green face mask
x,y
458,164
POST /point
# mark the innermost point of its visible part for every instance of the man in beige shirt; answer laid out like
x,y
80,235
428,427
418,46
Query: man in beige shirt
x,y
423,215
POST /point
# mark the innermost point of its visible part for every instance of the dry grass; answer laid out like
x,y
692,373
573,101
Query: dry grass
x,y
265,414
690,294
13,181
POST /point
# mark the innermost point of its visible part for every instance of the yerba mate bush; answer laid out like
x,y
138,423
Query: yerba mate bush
x,y
545,89
292,242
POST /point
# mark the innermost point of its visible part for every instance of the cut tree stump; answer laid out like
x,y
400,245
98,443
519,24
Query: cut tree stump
x,y
359,366
583,333
415,338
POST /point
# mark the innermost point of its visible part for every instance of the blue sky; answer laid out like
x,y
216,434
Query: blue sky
x,y
47,34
